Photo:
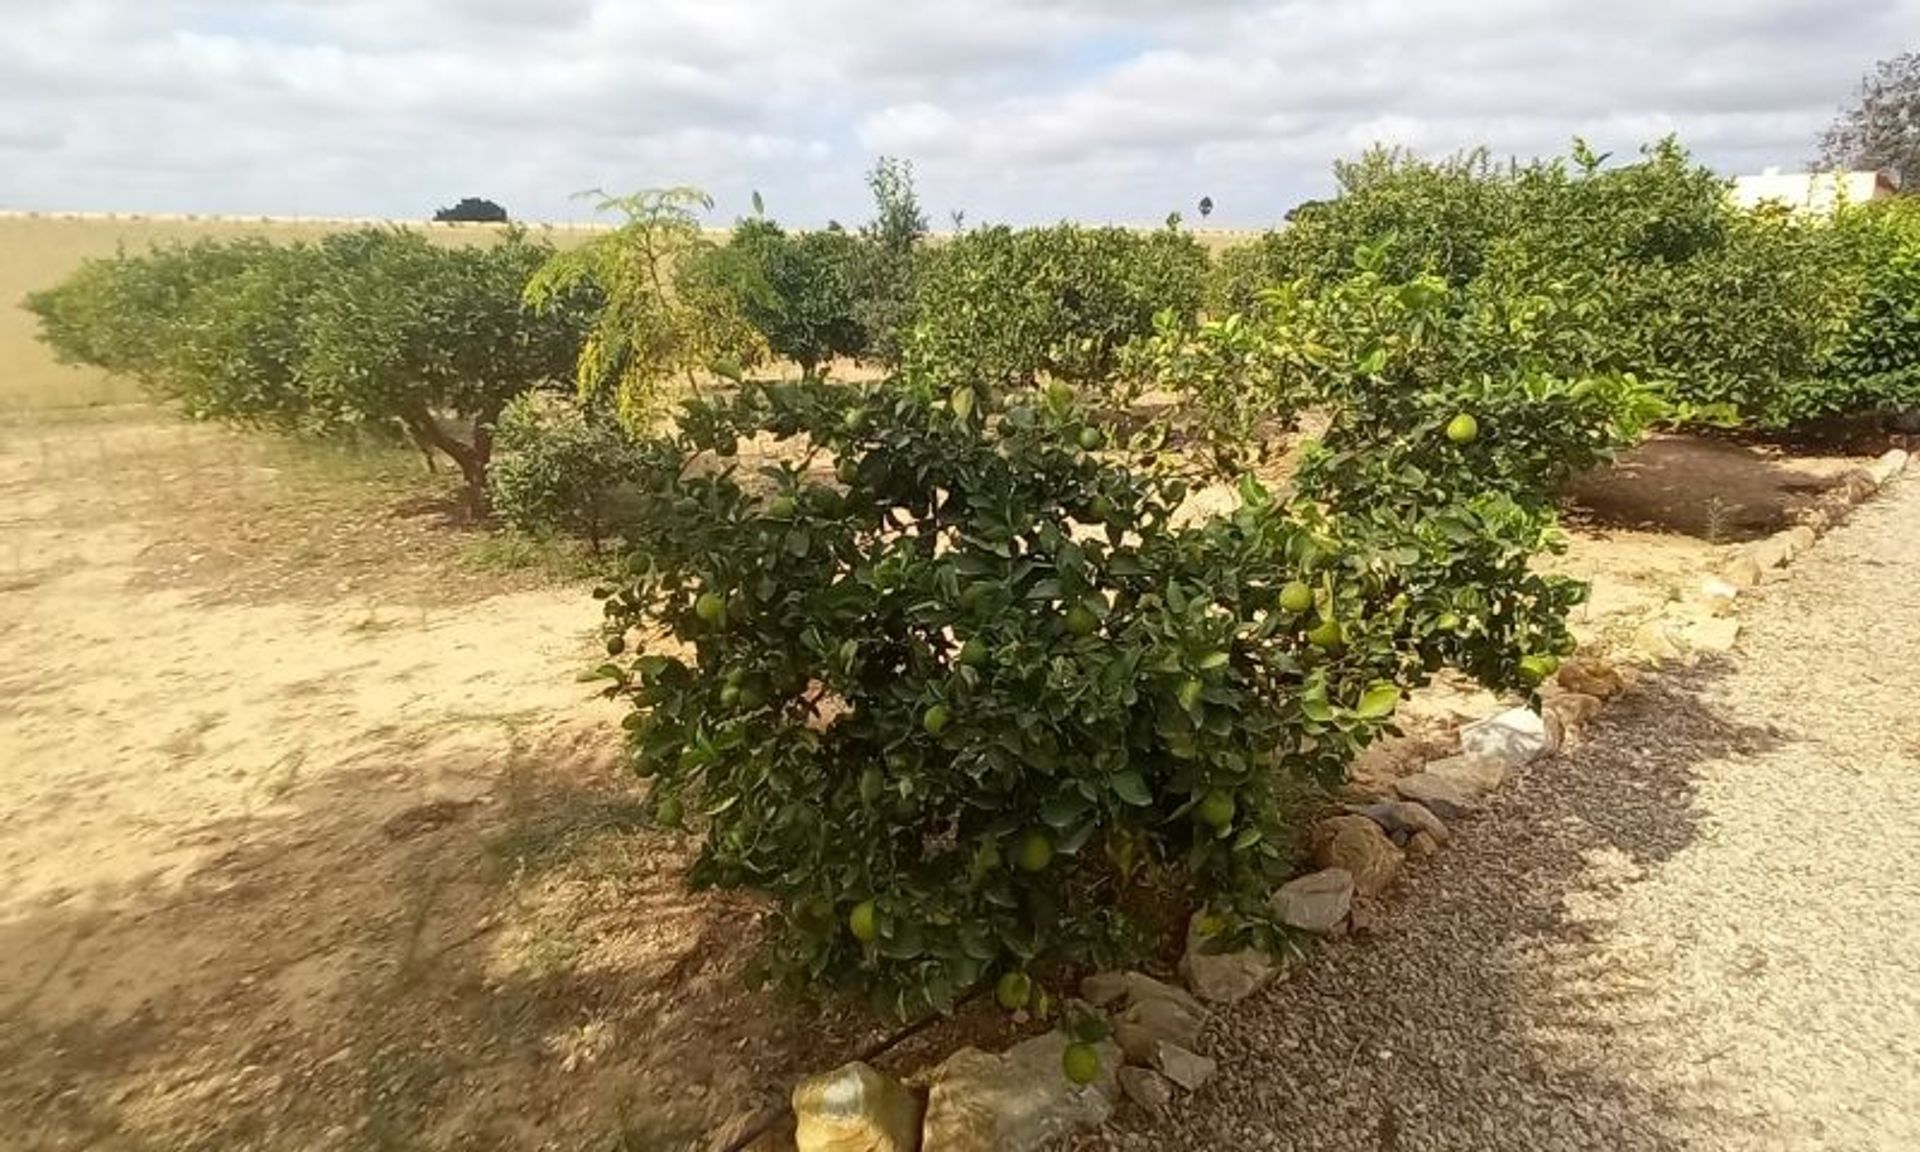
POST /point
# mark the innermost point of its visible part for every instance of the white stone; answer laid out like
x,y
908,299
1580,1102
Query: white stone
x,y
1183,1066
1104,988
1474,772
1147,1088
1514,737
1710,634
1443,798
1659,640
1716,595
1148,1022
1223,977
1018,1101
1743,570
1889,465
1402,818
855,1108
1318,903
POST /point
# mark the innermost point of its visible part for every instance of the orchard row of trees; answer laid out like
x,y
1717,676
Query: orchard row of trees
x,y
959,684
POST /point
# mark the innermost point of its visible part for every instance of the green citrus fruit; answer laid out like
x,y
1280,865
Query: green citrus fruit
x,y
1216,809
711,607
1035,852
1448,622
1463,429
826,501
730,696
668,812
853,420
1100,508
974,653
1081,1063
616,645
1326,635
1296,597
863,922
1013,991
847,471
934,719
1081,621
1537,668
1092,439
782,508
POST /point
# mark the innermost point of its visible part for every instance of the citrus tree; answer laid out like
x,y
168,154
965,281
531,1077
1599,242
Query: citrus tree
x,y
377,326
126,313
796,289
1875,364
1002,306
957,686
438,339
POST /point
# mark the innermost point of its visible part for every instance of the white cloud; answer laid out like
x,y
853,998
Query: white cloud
x,y
1012,109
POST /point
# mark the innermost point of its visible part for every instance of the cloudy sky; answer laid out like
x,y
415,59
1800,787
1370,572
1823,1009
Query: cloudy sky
x,y
1016,110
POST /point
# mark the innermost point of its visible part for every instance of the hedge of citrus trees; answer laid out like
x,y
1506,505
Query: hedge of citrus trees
x,y
377,326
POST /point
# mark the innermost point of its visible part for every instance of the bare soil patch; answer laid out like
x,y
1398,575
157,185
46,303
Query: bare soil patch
x,y
1716,490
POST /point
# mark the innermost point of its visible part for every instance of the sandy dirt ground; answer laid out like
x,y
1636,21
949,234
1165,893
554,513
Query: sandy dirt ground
x,y
309,839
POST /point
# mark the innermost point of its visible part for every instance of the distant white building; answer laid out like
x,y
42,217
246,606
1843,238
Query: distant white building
x,y
1816,193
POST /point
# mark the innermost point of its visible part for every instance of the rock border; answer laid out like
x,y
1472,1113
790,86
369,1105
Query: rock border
x,y
1016,1101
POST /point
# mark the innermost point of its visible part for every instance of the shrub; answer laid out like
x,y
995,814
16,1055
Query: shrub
x,y
1418,217
1874,366
797,290
999,306
955,708
1722,309
562,469
1724,312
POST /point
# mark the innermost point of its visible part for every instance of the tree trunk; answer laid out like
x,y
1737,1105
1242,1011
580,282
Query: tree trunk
x,y
471,458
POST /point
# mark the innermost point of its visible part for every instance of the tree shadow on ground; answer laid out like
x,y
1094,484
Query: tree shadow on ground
x,y
1458,1022
1711,489
521,966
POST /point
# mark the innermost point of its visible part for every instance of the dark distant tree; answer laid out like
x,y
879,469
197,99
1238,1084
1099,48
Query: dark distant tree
x,y
472,210
1301,209
1881,129
1206,207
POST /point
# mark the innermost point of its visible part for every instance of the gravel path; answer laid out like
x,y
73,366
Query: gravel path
x,y
1700,929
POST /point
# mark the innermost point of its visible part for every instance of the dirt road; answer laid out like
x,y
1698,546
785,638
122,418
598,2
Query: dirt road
x,y
1700,930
